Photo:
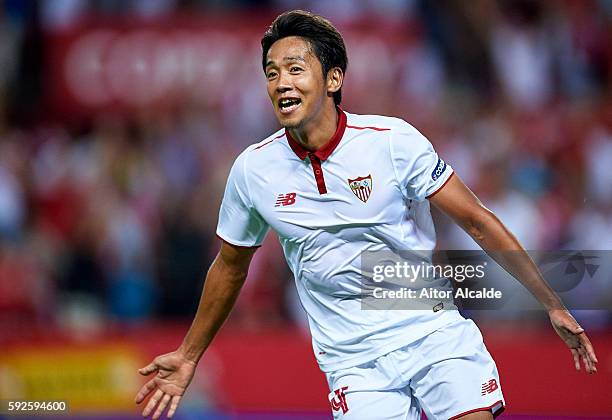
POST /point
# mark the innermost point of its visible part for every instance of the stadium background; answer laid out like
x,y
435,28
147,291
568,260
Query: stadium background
x,y
119,121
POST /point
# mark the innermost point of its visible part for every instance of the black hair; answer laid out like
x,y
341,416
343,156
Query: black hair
x,y
323,37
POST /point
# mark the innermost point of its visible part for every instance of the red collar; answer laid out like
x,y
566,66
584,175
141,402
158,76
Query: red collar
x,y
324,152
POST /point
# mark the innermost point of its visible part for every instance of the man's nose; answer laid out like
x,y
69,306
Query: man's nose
x,y
284,83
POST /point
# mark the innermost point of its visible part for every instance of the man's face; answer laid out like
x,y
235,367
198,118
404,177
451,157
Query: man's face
x,y
295,80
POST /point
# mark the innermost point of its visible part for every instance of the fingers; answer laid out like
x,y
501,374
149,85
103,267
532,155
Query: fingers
x,y
576,358
145,390
588,353
584,350
588,367
150,368
152,403
161,407
586,343
174,405
161,400
577,340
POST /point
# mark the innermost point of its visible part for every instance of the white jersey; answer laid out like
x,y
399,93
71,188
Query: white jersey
x,y
365,190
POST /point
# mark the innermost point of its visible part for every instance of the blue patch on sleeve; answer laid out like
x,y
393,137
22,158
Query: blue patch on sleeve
x,y
440,168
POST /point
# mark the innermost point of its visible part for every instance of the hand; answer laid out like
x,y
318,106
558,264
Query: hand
x,y
576,339
174,374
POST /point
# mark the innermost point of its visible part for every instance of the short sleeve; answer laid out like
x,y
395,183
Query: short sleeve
x,y
239,223
418,168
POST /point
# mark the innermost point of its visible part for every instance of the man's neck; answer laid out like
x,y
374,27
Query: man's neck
x,y
317,133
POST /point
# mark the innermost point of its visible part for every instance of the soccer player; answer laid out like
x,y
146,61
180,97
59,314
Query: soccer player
x,y
333,184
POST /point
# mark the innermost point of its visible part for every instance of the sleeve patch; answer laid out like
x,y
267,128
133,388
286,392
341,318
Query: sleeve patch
x,y
439,170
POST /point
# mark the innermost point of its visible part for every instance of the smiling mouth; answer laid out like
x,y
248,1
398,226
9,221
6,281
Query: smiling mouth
x,y
288,105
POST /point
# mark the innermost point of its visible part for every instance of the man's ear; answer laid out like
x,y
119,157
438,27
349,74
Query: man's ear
x,y
335,77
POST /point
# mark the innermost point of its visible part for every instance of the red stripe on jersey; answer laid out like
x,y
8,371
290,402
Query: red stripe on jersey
x,y
368,128
476,410
318,173
441,186
269,141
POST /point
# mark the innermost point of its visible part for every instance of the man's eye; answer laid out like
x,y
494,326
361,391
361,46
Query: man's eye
x,y
271,75
294,69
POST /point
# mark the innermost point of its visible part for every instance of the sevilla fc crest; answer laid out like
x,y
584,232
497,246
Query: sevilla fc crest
x,y
361,187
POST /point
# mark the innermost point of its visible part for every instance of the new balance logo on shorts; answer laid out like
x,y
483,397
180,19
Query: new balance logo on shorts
x,y
338,401
489,387
285,199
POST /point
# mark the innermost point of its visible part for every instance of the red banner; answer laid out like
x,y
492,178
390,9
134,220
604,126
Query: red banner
x,y
276,370
207,60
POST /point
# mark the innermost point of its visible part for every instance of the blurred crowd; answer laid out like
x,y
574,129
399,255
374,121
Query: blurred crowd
x,y
113,217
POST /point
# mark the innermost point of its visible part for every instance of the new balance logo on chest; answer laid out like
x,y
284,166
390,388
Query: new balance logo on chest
x,y
287,199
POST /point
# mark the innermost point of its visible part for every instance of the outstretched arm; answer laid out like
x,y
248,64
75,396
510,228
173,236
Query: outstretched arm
x,y
175,370
460,204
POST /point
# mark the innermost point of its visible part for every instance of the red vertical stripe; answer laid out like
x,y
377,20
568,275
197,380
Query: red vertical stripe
x,y
318,173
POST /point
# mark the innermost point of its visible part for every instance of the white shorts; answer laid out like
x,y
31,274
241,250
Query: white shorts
x,y
446,375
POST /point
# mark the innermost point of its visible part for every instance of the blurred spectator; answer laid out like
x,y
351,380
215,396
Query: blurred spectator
x,y
522,50
599,171
12,199
517,212
10,39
